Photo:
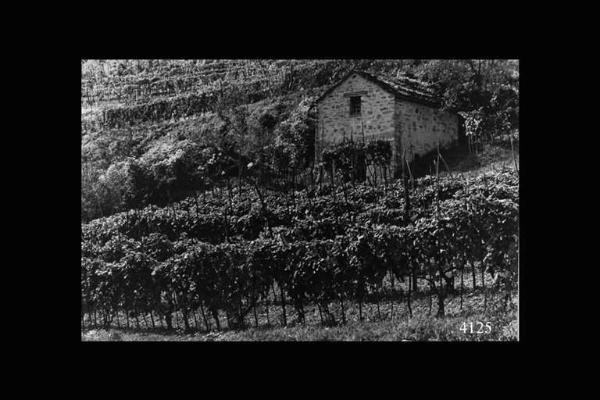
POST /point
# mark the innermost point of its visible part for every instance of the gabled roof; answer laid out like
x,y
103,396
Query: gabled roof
x,y
402,87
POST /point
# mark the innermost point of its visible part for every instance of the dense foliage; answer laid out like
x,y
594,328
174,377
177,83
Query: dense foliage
x,y
327,248
200,192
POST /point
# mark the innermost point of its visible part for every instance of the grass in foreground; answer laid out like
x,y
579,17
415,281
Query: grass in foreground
x,y
423,326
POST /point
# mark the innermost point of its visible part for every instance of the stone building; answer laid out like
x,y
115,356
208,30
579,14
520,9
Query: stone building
x,y
402,111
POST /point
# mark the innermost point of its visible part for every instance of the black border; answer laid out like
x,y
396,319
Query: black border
x,y
66,207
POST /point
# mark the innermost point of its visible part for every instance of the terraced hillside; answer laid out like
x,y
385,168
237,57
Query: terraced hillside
x,y
203,212
149,110
118,93
151,114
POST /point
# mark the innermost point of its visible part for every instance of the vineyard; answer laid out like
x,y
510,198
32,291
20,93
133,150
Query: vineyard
x,y
222,255
203,210
140,91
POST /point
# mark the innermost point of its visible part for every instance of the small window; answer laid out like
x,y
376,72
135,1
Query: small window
x,y
355,105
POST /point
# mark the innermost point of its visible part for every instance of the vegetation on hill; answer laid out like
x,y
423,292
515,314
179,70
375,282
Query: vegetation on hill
x,y
144,122
202,207
223,255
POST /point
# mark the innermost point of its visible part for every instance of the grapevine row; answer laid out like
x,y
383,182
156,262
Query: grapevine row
x,y
157,275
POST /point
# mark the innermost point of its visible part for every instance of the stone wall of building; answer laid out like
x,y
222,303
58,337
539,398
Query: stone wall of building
x,y
421,128
335,124
411,128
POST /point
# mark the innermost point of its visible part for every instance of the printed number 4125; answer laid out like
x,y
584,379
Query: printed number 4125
x,y
468,328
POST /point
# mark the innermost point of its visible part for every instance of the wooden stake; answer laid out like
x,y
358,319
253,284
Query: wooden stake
x,y
513,154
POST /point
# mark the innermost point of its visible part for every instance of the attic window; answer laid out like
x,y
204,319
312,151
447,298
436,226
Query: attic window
x,y
355,105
